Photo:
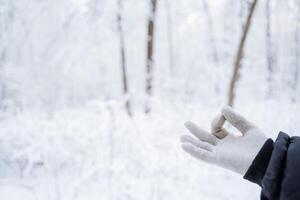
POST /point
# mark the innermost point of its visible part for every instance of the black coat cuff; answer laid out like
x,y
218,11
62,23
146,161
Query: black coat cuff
x,y
257,169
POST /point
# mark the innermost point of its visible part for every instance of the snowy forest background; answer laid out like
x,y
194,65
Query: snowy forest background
x,y
94,93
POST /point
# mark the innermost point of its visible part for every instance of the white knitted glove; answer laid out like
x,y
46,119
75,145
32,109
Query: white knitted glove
x,y
224,149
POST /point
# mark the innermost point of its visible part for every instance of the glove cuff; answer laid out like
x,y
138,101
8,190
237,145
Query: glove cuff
x,y
257,169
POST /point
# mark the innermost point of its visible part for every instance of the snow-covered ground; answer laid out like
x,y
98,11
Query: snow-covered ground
x,y
97,152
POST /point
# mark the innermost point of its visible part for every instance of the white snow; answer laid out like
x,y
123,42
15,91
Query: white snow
x,y
97,152
64,133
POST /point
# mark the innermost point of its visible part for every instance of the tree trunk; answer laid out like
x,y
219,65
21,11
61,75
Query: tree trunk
x,y
123,59
297,56
239,55
214,52
170,35
150,47
212,41
271,58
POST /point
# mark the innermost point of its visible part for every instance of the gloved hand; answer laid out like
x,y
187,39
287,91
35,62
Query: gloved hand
x,y
222,148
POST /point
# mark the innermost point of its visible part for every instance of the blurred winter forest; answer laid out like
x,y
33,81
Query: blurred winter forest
x,y
94,93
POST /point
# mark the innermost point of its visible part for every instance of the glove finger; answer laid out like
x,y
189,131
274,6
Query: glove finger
x,y
236,120
200,133
217,127
197,143
198,152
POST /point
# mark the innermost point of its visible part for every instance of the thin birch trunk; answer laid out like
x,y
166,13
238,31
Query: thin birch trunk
x,y
239,55
150,48
123,59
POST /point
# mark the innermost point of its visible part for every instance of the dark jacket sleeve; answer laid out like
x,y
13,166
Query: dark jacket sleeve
x,y
276,168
